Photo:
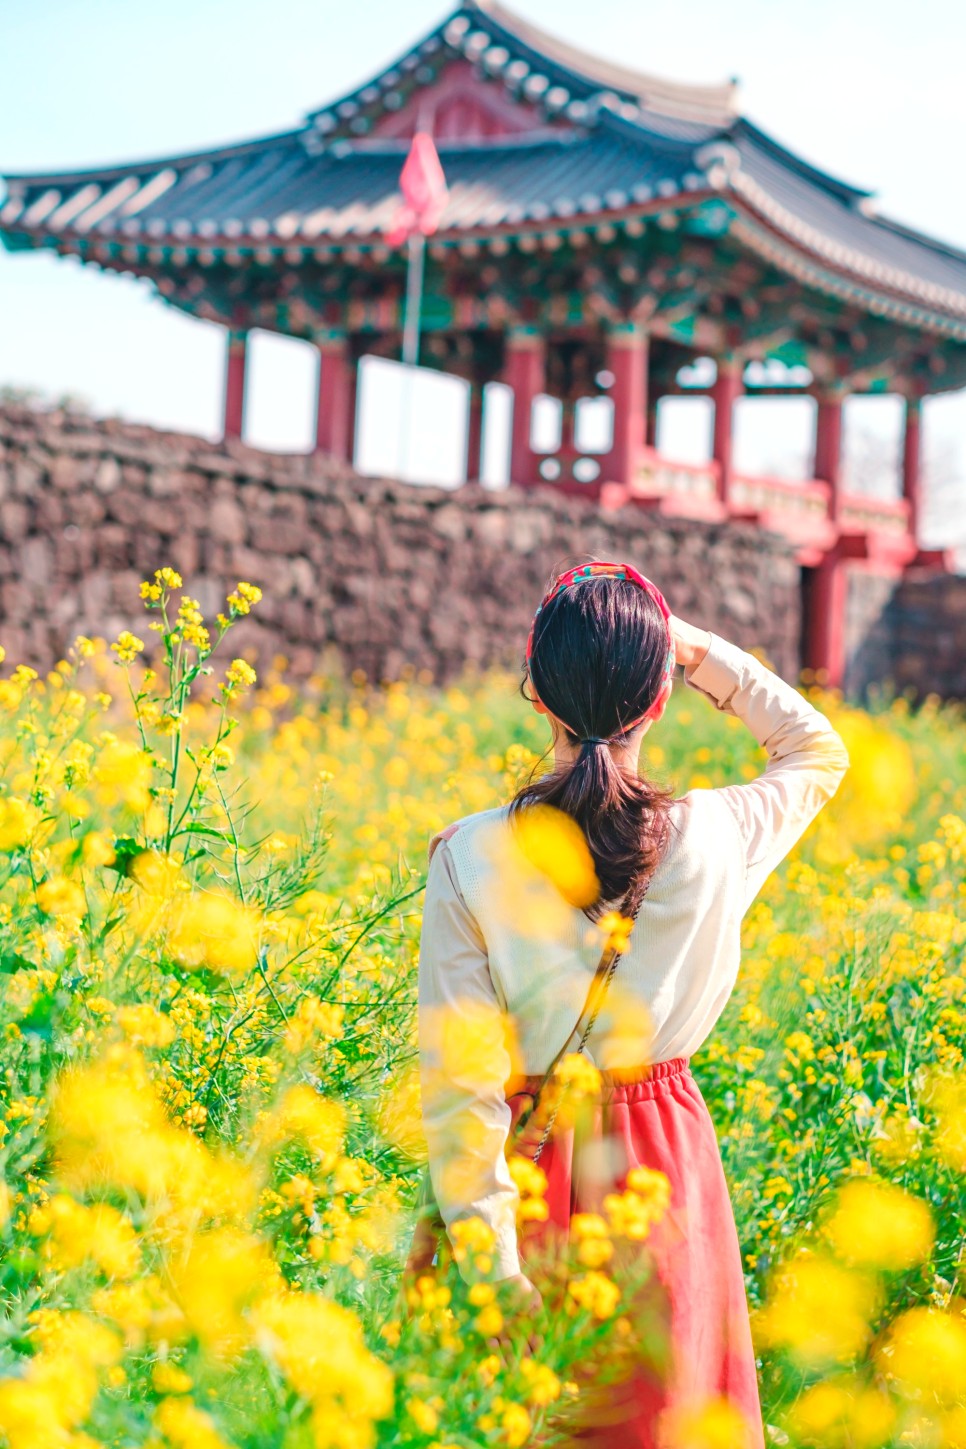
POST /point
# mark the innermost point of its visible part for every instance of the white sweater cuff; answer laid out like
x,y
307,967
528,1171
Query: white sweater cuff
x,y
719,673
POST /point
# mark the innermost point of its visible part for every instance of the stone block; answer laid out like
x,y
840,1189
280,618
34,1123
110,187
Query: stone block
x,y
226,521
107,475
14,520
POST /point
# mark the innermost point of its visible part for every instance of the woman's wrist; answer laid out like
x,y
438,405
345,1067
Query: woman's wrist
x,y
691,644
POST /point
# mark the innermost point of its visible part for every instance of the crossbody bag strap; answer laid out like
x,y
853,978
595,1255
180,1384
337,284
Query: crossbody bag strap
x,y
603,975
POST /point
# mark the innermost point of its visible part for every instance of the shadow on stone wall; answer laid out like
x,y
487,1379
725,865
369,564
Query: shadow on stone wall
x,y
382,575
915,640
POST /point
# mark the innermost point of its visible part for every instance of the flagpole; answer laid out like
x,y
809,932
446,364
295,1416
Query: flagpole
x,y
410,350
414,297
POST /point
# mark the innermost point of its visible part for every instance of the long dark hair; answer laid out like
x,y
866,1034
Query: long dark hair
x,y
599,651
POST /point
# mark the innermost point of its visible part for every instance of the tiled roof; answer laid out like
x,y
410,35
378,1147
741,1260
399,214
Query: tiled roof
x,y
279,191
622,151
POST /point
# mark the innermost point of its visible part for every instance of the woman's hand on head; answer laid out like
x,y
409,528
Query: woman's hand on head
x,y
691,644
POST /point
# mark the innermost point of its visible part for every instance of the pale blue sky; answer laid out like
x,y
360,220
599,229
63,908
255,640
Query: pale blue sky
x,y
870,89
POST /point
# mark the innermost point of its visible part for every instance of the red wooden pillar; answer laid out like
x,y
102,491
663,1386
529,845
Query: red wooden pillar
x,y
726,391
828,449
912,464
474,434
336,417
627,344
568,424
234,413
826,627
524,373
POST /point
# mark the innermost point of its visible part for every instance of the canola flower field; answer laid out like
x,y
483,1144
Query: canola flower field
x,y
209,1137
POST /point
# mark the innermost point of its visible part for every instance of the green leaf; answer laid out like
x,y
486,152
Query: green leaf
x,y
126,849
195,829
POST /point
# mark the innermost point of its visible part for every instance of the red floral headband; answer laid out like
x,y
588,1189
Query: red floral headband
x,y
580,575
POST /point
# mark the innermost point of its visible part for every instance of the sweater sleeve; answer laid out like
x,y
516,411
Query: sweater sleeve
x,y
464,1065
807,758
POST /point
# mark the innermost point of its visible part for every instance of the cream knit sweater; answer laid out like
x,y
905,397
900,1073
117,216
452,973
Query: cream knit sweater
x,y
485,951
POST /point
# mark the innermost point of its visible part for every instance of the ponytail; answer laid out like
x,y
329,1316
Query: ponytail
x,y
597,663
623,818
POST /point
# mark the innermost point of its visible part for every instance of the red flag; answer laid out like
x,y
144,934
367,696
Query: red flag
x,y
424,193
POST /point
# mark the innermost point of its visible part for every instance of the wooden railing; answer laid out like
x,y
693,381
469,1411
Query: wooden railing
x,y
660,477
801,511
777,495
859,514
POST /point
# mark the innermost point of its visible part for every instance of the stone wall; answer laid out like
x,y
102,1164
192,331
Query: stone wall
x,y
378,575
915,639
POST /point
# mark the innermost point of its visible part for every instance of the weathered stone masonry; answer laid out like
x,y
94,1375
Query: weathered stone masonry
x,y
381,575
388,574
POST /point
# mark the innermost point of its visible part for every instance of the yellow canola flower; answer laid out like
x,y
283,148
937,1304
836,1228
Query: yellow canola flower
x,y
158,875
878,790
511,1420
17,821
544,1387
946,1097
143,1310
97,850
489,1321
244,598
818,1311
75,1233
122,776
924,1353
145,1026
313,1020
423,1415
62,899
634,1212
592,1234
877,1225
516,1425
108,1127
842,1413
398,1115
554,844
303,1114
168,1378
472,1238
473,1043
530,1181
596,1292
616,930
219,1277
127,647
578,1075
53,1395
168,578
716,1424
212,929
185,1426
239,676
320,1348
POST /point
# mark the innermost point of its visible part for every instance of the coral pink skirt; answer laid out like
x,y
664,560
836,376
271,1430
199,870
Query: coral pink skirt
x,y
695,1303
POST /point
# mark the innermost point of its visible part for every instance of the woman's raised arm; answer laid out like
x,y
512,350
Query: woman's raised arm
x,y
807,757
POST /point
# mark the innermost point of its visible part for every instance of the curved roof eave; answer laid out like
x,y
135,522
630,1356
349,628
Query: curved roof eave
x,y
119,170
484,28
